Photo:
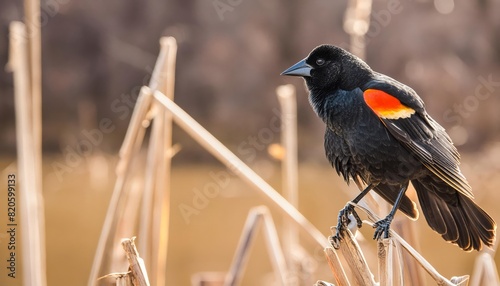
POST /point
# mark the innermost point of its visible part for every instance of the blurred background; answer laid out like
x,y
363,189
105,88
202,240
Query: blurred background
x,y
97,55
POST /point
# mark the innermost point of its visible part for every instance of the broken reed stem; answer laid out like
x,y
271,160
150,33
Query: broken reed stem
x,y
391,272
257,216
121,278
161,210
336,267
401,264
286,96
131,145
125,280
242,252
137,267
34,40
136,128
154,218
414,274
221,152
385,258
136,122
273,247
355,259
441,280
148,191
289,167
31,223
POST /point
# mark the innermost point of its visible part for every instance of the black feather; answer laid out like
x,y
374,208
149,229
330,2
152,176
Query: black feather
x,y
390,151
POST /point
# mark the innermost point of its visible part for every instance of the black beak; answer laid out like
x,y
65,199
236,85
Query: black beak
x,y
299,69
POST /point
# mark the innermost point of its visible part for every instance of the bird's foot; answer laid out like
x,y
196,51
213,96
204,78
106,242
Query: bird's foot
x,y
344,219
382,228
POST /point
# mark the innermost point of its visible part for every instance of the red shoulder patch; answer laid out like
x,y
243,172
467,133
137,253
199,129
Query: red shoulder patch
x,y
385,105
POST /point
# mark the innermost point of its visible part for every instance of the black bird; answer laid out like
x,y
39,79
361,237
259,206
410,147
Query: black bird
x,y
377,131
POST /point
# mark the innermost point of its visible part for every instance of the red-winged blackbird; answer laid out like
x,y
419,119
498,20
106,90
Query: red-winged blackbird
x,y
377,130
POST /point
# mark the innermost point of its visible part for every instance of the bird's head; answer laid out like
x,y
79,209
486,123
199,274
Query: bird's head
x,y
329,67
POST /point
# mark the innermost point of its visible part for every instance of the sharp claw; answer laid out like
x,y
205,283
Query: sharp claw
x,y
344,220
359,222
386,233
376,233
382,228
335,241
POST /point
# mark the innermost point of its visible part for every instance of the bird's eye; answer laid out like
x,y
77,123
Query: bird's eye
x,y
320,62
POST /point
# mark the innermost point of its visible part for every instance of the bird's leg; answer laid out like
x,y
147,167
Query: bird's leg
x,y
343,218
382,226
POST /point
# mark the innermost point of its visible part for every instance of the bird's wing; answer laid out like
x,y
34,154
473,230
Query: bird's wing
x,y
403,113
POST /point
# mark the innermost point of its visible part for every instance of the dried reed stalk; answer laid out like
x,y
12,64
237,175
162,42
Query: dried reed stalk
x,y
221,152
390,271
120,278
125,280
137,267
155,204
386,263
355,259
414,274
440,280
32,223
139,121
161,208
256,216
240,259
131,145
148,190
34,39
288,104
273,247
157,80
336,267
154,216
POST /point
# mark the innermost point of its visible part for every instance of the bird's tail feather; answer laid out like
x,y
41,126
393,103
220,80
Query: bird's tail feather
x,y
455,216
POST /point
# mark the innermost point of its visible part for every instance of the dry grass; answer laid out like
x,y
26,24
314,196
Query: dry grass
x,y
25,64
